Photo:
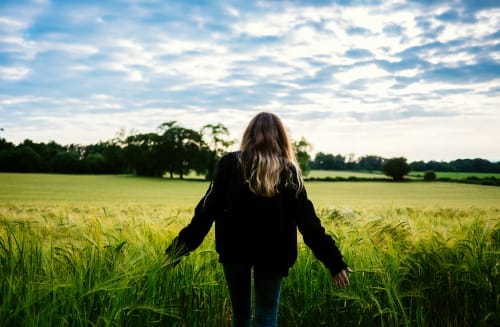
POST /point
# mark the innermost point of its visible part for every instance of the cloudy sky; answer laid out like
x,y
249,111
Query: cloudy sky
x,y
415,78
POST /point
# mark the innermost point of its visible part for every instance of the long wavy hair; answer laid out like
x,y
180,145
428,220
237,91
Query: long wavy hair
x,y
267,156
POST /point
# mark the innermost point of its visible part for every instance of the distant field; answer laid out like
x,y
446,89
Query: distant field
x,y
343,174
99,189
116,189
395,195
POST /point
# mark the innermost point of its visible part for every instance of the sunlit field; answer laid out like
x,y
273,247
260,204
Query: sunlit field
x,y
344,174
87,251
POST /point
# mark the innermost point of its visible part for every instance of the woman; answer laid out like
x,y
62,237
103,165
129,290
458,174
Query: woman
x,y
257,200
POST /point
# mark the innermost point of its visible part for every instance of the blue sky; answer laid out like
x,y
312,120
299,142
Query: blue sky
x,y
419,79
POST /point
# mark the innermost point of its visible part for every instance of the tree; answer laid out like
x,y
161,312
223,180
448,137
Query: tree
x,y
351,163
104,157
181,150
396,168
67,162
437,166
25,159
95,163
139,154
370,163
216,137
418,166
328,161
471,165
301,149
7,161
51,150
430,176
5,145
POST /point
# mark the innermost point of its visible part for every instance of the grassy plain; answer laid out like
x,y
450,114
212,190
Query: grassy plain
x,y
123,189
95,189
344,174
87,251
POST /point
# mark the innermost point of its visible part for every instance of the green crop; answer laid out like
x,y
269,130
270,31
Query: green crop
x,y
88,251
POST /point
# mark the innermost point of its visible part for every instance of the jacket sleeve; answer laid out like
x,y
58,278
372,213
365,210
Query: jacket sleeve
x,y
207,209
315,237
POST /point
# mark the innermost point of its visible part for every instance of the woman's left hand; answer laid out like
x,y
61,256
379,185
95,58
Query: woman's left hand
x,y
341,279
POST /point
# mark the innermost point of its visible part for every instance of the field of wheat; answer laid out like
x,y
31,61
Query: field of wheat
x,y
87,251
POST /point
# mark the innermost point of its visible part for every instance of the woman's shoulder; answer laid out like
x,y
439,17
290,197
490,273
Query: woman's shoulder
x,y
230,156
229,160
234,154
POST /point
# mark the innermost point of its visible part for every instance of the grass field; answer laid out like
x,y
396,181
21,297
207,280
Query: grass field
x,y
122,189
344,174
95,189
87,251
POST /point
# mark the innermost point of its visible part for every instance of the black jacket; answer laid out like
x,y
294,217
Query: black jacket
x,y
254,229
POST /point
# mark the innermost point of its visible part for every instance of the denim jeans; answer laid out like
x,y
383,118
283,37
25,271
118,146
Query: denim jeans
x,y
267,287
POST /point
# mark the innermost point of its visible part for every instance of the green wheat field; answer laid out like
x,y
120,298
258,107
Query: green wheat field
x,y
88,251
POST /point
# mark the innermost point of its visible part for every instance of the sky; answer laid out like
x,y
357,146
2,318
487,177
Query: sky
x,y
416,78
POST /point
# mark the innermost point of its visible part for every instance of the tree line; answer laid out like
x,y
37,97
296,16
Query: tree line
x,y
176,150
371,163
173,149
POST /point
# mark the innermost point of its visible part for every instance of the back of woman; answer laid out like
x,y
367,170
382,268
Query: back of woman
x,y
255,229
258,201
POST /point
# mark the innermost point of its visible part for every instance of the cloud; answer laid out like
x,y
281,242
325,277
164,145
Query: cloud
x,y
13,73
398,115
331,67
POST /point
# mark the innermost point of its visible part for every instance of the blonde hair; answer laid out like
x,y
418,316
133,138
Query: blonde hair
x,y
267,156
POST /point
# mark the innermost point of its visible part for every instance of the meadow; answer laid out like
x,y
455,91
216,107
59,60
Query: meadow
x,y
345,174
87,251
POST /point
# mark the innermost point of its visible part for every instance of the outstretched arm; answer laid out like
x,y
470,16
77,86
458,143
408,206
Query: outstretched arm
x,y
191,236
316,238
